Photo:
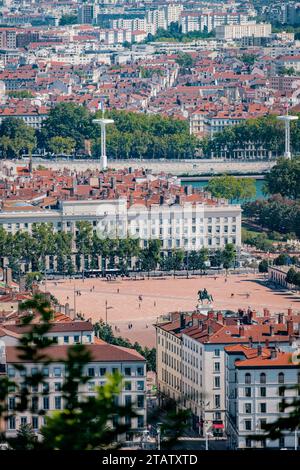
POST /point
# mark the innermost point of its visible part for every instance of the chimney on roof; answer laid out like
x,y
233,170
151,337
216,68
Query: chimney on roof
x,y
273,354
210,330
188,189
241,331
266,313
161,199
290,327
131,199
178,199
220,317
271,330
8,276
280,319
67,309
253,314
130,170
259,350
200,323
182,321
210,315
267,343
250,342
290,312
113,182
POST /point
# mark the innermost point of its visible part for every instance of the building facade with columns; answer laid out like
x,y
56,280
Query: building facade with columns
x,y
187,225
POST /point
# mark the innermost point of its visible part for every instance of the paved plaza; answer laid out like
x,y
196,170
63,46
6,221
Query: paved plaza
x,y
140,302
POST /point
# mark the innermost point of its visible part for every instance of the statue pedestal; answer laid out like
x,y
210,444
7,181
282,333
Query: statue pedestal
x,y
204,309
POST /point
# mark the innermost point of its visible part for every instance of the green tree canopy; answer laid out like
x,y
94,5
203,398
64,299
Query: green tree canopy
x,y
284,178
61,145
231,188
68,120
16,138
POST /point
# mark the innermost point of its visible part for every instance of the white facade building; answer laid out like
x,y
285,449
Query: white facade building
x,y
191,362
257,380
239,31
106,359
69,333
189,226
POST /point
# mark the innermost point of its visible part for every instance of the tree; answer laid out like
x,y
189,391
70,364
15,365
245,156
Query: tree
x,y
217,258
284,178
68,19
263,266
229,255
20,94
231,188
265,132
177,260
68,120
277,213
291,276
61,145
282,260
26,438
151,257
185,60
32,278
248,59
16,137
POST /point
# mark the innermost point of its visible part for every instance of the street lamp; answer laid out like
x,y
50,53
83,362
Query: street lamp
x,y
158,435
287,123
107,307
103,123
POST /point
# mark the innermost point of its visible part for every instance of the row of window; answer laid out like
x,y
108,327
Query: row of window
x,y
248,392
46,387
38,421
90,372
56,403
263,378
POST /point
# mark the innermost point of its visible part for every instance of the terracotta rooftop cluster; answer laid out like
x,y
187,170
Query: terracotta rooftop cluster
x,y
46,188
243,327
218,84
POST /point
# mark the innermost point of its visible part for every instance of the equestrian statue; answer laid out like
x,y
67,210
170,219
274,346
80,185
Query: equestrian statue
x,y
204,295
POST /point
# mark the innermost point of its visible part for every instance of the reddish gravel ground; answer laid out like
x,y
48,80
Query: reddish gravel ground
x,y
165,295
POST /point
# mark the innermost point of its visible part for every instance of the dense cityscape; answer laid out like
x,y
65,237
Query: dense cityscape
x,y
149,226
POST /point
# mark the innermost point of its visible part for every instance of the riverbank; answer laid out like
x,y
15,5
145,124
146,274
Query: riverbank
x,y
182,168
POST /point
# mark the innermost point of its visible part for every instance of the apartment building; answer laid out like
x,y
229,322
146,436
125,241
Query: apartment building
x,y
68,333
208,21
257,380
87,13
287,62
33,116
105,359
240,31
8,38
191,360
